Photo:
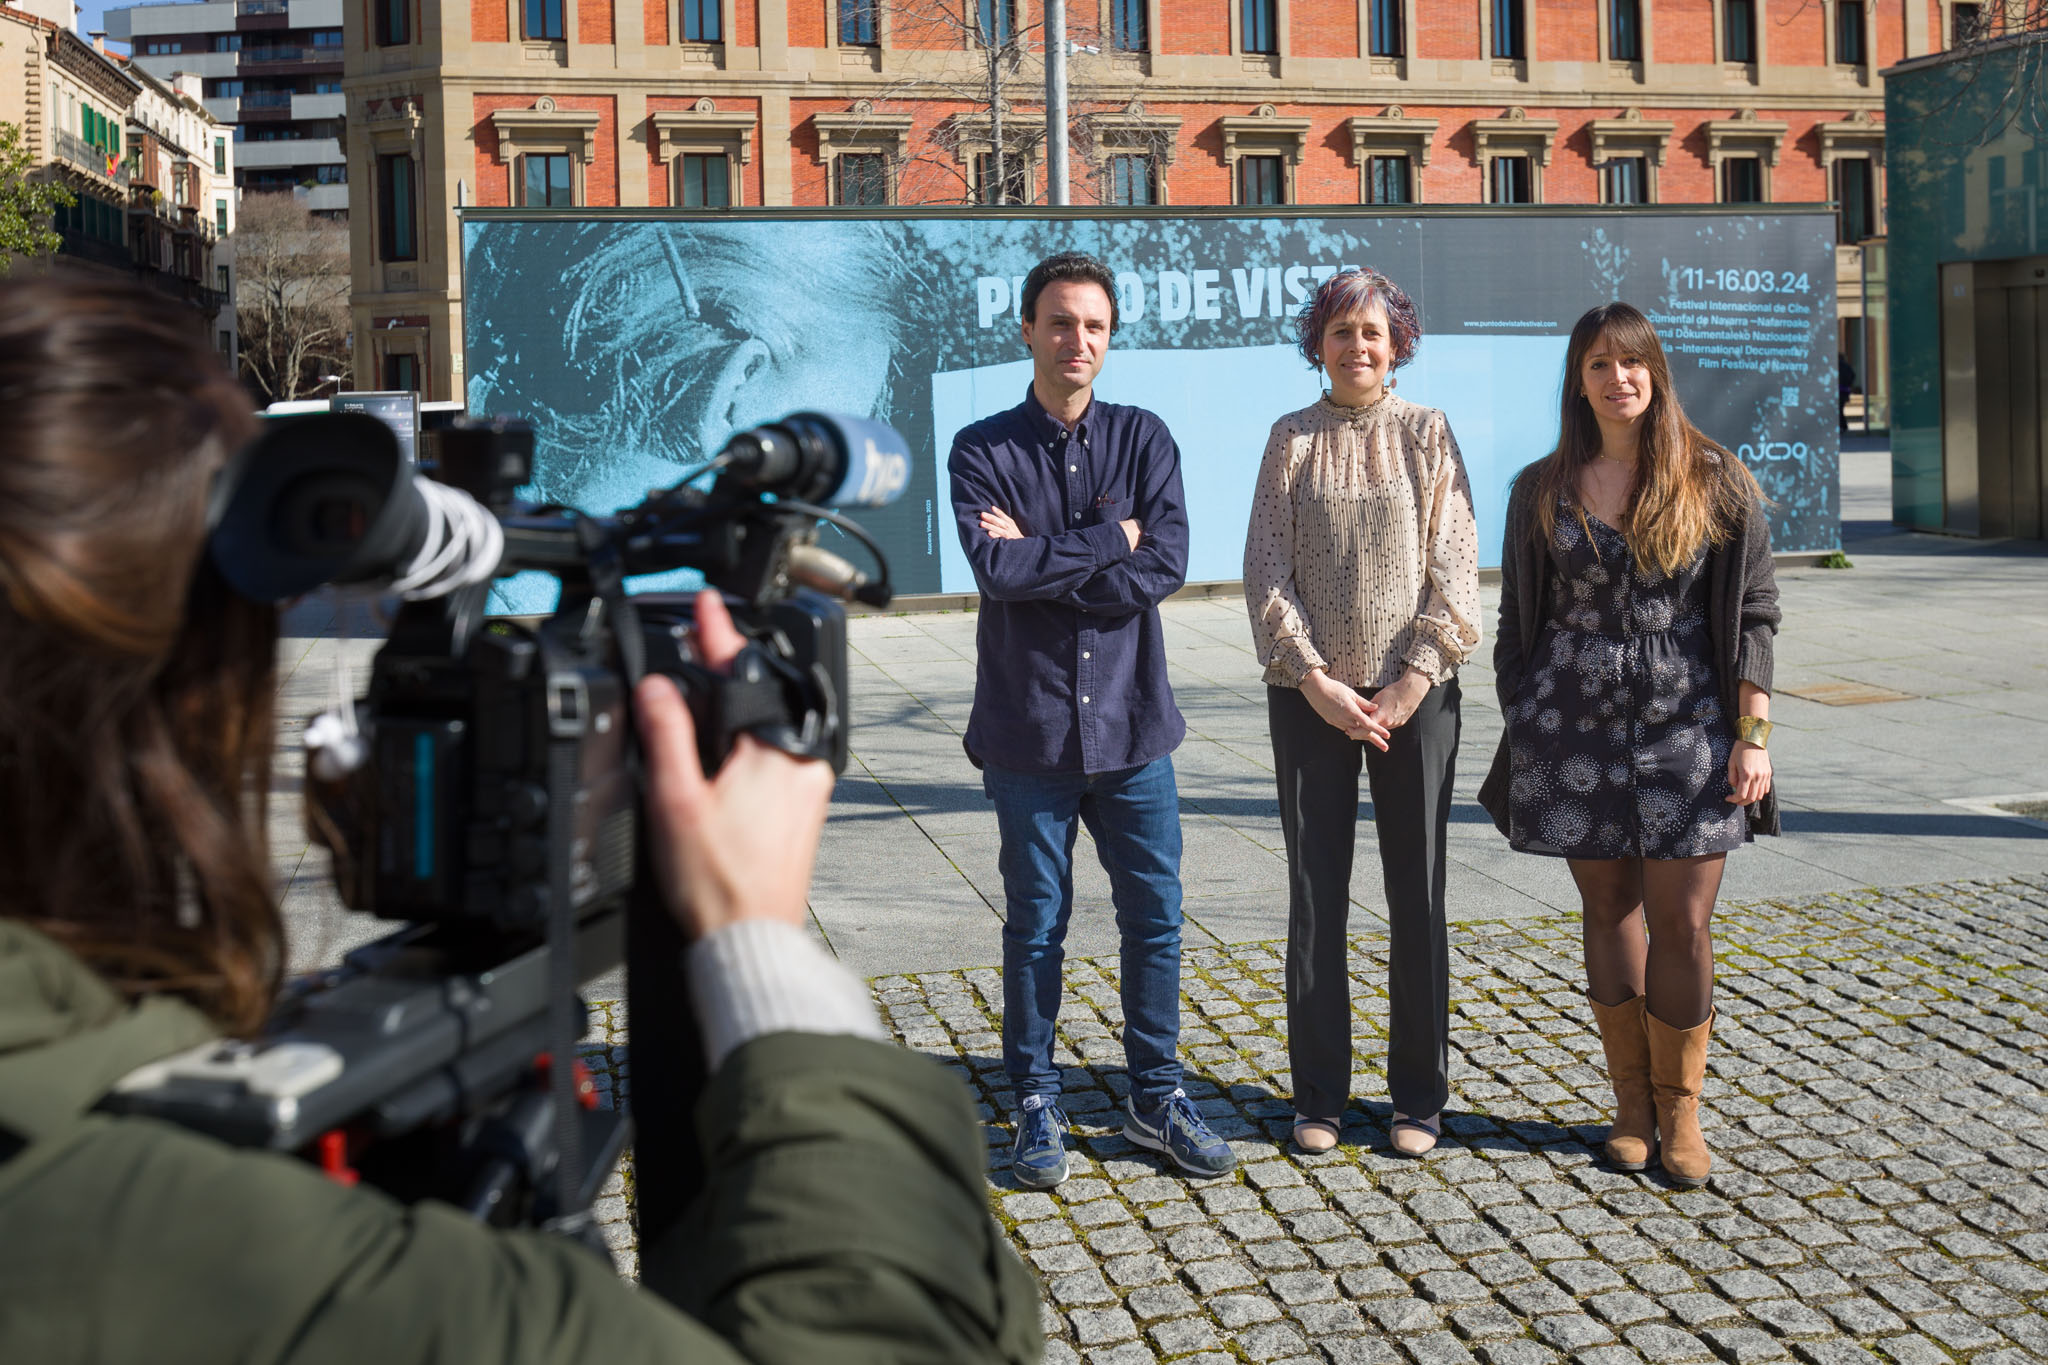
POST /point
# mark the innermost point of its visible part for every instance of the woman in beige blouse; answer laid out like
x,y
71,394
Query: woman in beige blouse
x,y
1361,573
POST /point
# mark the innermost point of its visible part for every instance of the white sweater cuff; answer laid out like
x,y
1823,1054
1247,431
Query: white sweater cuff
x,y
763,976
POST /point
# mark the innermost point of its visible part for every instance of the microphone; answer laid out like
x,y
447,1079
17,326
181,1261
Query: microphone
x,y
824,458
828,573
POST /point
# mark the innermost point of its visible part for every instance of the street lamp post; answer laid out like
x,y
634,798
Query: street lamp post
x,y
1056,101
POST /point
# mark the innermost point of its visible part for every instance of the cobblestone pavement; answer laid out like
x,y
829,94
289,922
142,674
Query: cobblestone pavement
x,y
1875,1102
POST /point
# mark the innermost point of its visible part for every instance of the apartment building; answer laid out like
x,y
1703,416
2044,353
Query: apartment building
x,y
71,103
271,68
709,103
182,195
148,166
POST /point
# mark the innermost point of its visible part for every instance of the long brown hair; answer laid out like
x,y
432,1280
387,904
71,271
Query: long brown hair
x,y
136,689
1690,490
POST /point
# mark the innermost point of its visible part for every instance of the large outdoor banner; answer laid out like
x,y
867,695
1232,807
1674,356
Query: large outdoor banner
x,y
638,343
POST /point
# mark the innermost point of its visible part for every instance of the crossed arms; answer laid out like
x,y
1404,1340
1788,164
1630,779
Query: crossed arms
x,y
1111,568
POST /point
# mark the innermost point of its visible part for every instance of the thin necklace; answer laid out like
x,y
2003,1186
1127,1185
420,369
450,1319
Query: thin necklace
x,y
1331,399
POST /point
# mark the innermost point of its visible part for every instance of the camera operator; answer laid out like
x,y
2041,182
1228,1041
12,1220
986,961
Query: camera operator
x,y
845,1214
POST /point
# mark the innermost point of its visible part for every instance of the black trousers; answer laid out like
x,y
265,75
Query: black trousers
x,y
1317,765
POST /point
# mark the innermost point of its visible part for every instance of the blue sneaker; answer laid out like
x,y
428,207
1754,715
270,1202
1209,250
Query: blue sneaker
x,y
1039,1160
1177,1130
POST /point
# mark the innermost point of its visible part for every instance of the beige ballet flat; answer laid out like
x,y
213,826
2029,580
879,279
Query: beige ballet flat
x,y
1315,1136
1415,1137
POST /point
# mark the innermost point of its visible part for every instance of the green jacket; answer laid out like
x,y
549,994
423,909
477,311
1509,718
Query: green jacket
x,y
846,1220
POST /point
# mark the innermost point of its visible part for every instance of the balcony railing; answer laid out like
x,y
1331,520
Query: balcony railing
x,y
267,99
281,56
183,288
89,158
185,219
97,250
253,7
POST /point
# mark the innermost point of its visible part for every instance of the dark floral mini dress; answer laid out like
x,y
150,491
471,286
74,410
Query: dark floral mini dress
x,y
1616,741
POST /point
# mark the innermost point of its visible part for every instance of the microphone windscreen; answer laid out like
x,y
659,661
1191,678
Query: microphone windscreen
x,y
877,461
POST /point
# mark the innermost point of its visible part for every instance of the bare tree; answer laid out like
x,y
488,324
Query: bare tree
x,y
1999,56
973,55
291,296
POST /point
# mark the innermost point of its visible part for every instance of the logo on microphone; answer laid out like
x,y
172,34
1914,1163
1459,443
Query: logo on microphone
x,y
884,474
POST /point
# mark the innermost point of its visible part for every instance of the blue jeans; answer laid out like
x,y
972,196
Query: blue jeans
x,y
1134,817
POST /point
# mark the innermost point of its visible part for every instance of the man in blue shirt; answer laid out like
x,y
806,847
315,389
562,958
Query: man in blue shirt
x,y
1072,515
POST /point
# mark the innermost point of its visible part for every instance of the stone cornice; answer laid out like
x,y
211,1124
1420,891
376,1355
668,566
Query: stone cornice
x,y
1859,134
1132,129
862,129
72,54
1264,130
975,132
546,121
1745,135
1630,134
390,130
1393,130
544,128
1515,134
851,86
705,126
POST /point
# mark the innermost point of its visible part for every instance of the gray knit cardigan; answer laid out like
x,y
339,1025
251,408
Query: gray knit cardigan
x,y
1742,616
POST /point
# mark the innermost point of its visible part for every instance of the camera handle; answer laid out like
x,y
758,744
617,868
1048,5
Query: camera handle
x,y
590,602
786,694
759,694
754,698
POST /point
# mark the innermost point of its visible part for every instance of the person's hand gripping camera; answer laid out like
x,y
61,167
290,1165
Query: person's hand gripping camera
x,y
738,844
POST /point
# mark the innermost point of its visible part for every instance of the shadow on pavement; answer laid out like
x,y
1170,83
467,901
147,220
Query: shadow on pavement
x,y
1935,825
1864,536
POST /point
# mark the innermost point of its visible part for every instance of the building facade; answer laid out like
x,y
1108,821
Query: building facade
x,y
1969,270
149,168
270,68
71,103
708,103
182,197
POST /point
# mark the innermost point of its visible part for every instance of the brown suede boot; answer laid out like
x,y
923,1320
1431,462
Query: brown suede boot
x,y
1632,1137
1678,1068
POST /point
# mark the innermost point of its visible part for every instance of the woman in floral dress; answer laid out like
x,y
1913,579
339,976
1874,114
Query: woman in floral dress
x,y
1633,666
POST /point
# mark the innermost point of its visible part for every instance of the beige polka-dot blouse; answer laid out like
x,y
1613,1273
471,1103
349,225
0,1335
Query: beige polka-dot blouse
x,y
1362,556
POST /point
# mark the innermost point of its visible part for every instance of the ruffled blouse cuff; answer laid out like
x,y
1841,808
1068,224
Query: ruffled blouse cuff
x,y
1296,657
1426,658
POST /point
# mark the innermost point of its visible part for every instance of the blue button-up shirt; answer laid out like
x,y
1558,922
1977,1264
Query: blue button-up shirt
x,y
1071,667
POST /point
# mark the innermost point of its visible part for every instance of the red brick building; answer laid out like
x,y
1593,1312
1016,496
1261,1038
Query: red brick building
x,y
706,103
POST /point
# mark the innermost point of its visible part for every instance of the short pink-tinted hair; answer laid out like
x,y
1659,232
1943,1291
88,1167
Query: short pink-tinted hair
x,y
1353,291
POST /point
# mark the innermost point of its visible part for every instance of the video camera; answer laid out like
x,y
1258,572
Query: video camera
x,y
486,790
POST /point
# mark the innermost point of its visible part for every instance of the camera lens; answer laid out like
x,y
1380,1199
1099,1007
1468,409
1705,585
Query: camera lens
x,y
326,515
320,498
340,520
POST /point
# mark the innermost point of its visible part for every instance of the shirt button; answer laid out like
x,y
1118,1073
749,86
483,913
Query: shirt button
x,y
1084,701
1077,516
1086,655
1073,469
